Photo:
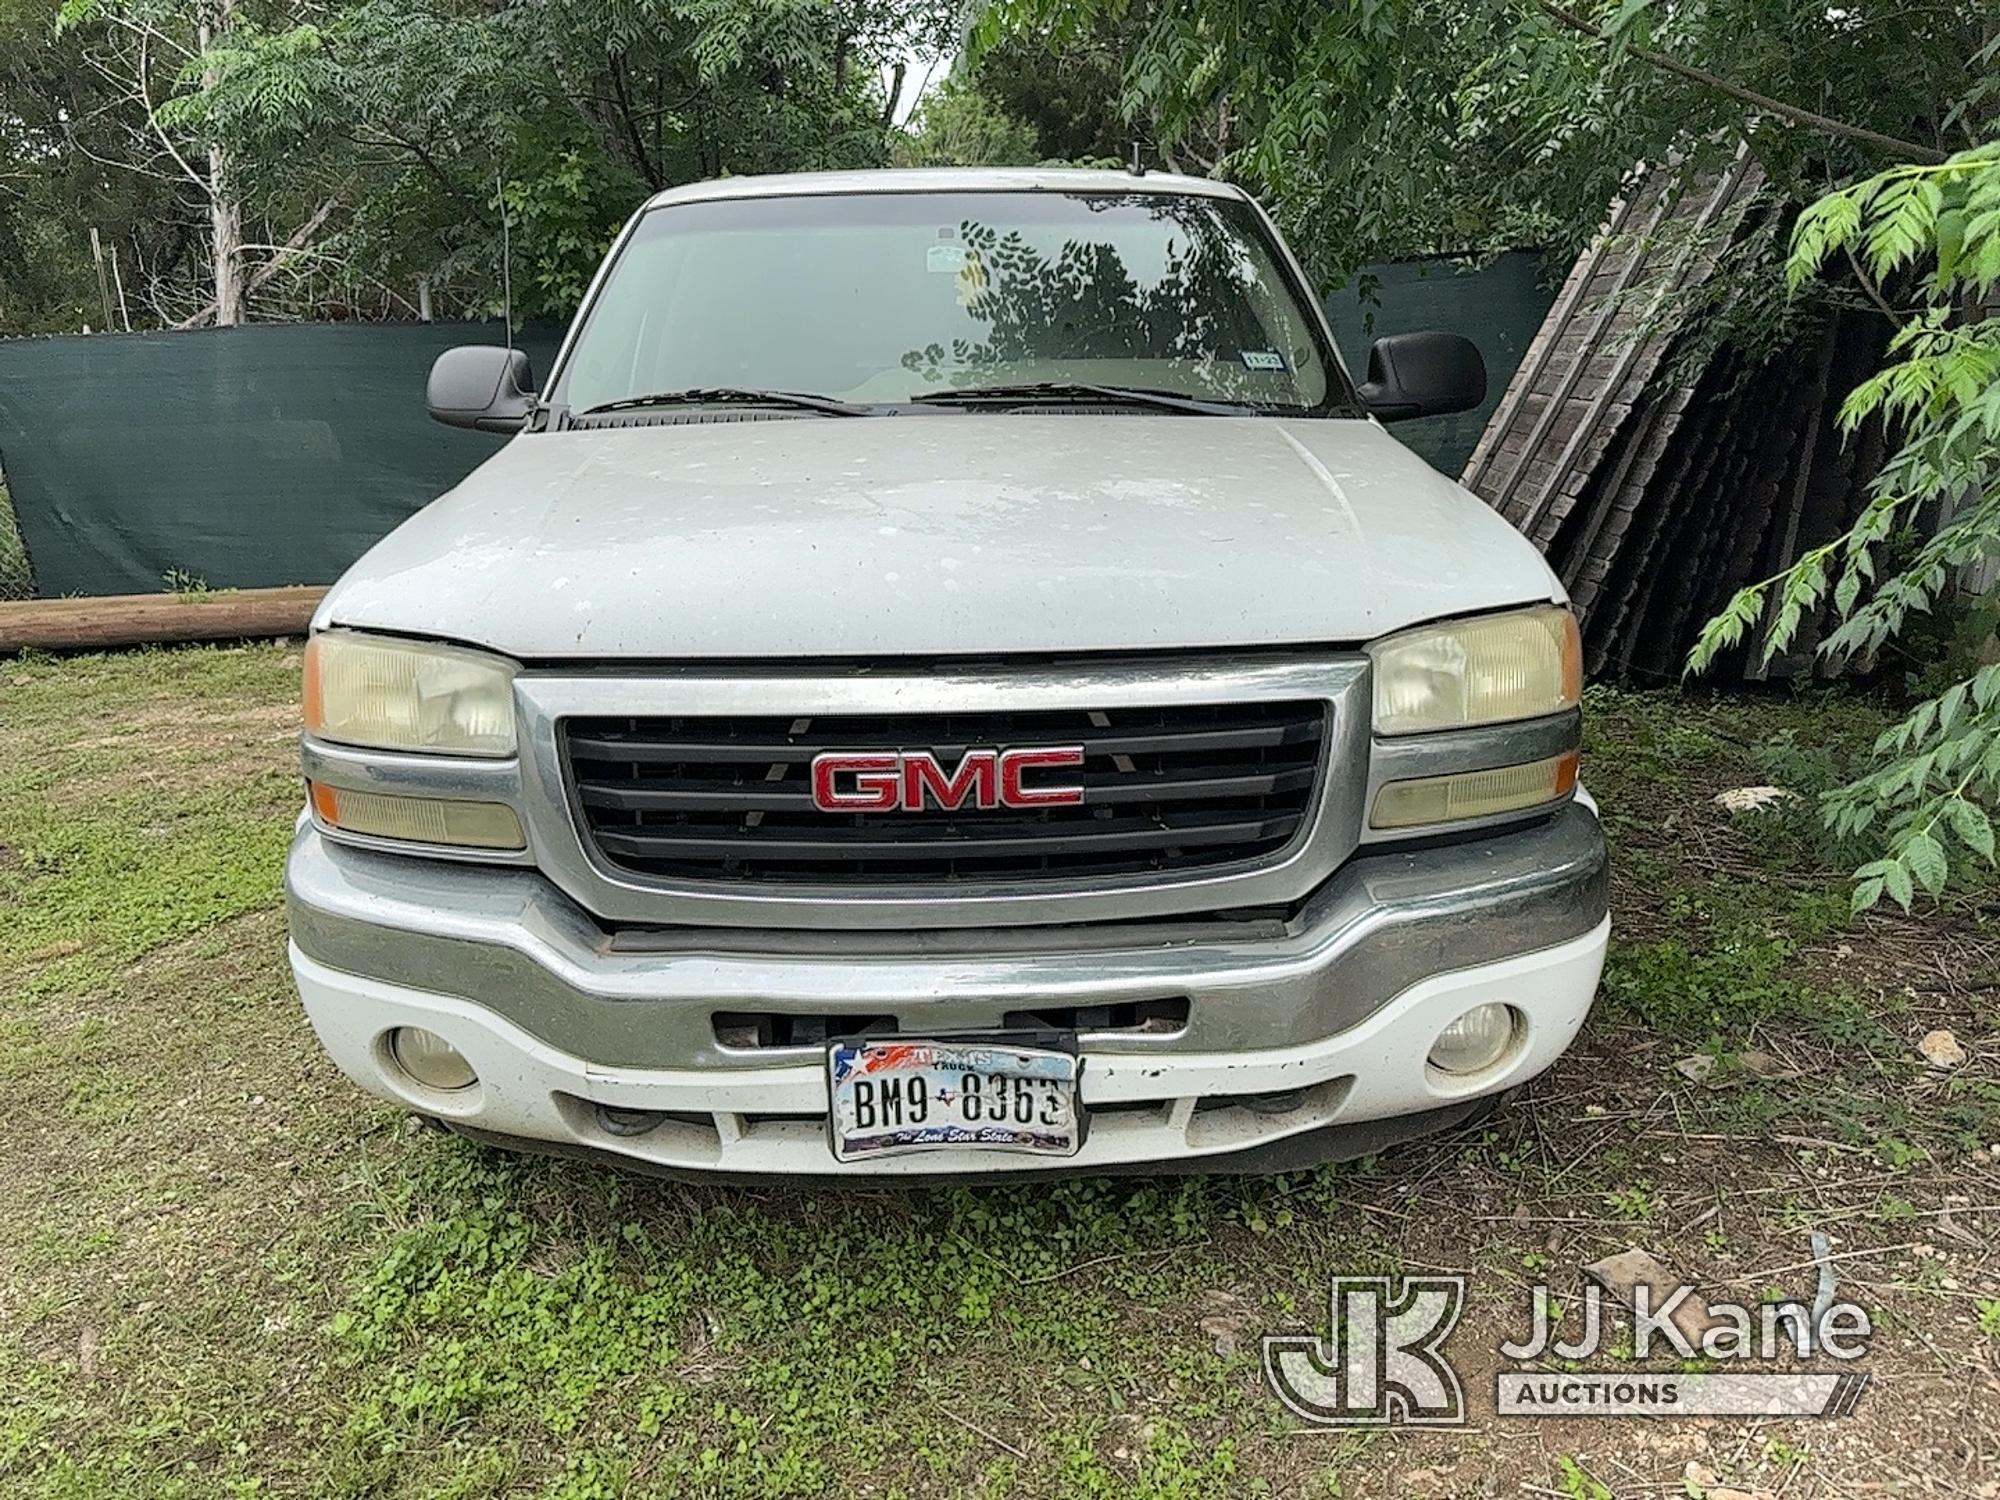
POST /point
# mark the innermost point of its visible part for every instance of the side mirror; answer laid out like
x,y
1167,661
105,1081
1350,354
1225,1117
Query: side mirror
x,y
1423,375
482,387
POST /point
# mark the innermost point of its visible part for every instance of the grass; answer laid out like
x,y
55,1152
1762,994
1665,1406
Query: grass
x,y
225,1272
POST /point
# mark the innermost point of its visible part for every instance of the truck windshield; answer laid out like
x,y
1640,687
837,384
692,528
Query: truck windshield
x,y
885,297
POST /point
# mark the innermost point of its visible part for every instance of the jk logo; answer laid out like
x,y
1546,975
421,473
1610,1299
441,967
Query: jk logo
x,y
1382,1362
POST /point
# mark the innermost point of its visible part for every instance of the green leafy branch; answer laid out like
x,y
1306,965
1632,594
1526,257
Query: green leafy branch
x,y
1939,769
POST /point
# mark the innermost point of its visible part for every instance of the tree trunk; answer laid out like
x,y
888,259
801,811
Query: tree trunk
x,y
225,217
895,93
227,226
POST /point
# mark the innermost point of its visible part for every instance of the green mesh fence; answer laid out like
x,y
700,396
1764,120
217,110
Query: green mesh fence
x,y
1499,307
276,454
236,457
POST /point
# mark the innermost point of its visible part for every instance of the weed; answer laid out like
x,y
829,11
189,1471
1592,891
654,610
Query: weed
x,y
1577,1482
1638,1202
1743,976
1782,1454
1897,1154
189,588
1989,1316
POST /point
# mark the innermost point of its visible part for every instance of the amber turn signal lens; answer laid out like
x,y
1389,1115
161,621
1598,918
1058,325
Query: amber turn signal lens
x,y
325,803
1572,658
314,697
417,820
1474,794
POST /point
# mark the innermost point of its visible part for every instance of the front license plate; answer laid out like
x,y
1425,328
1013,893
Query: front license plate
x,y
907,1095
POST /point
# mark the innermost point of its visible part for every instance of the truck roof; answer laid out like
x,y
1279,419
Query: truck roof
x,y
943,180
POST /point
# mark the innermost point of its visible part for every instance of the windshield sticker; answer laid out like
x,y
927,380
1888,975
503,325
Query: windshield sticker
x,y
971,279
1263,359
946,260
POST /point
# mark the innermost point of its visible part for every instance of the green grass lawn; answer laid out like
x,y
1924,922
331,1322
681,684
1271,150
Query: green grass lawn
x,y
224,1271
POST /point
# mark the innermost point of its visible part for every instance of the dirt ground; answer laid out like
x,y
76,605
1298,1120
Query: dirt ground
x,y
225,1272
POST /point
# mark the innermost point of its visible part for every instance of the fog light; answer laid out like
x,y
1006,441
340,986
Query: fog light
x,y
1476,1040
430,1059
418,820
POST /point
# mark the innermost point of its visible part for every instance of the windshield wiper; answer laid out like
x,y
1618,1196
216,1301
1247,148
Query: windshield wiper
x,y
731,395
1078,390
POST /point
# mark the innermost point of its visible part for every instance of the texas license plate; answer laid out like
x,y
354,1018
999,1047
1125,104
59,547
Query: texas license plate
x,y
905,1095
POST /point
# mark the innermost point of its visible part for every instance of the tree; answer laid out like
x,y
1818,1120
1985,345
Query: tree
x,y
143,51
1072,100
577,109
225,215
1932,513
959,125
58,129
1382,128
83,149
370,149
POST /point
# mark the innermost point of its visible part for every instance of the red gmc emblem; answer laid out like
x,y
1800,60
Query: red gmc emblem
x,y
911,780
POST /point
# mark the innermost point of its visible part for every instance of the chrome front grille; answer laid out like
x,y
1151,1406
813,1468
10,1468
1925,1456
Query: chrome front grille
x,y
727,800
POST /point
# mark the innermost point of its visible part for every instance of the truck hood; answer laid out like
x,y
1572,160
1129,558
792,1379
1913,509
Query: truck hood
x,y
940,535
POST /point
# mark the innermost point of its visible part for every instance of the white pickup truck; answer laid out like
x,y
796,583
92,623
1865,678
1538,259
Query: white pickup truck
x,y
951,676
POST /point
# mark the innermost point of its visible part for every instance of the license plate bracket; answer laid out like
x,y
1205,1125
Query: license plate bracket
x,y
1017,1092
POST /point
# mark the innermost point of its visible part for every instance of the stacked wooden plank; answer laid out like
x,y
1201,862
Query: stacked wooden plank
x,y
1657,473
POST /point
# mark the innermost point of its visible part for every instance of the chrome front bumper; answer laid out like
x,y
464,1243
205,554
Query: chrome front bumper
x,y
1337,1003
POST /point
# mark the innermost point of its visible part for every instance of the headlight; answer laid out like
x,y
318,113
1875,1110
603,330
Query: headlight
x,y
1485,670
403,695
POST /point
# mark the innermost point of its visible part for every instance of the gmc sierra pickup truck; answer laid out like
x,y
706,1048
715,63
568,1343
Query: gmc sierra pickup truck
x,y
949,676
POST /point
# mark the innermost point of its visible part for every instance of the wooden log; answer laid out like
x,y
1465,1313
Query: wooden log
x,y
155,619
